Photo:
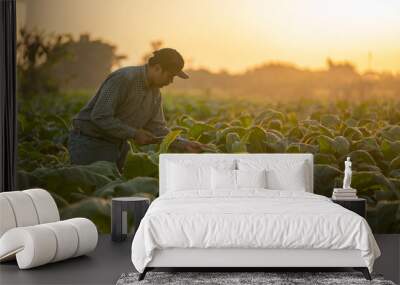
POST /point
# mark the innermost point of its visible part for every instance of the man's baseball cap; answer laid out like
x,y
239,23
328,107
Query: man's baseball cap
x,y
171,60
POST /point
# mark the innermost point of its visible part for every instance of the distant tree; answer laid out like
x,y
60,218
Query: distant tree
x,y
155,45
37,54
340,67
90,62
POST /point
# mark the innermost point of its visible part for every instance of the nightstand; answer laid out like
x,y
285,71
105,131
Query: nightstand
x,y
357,205
120,207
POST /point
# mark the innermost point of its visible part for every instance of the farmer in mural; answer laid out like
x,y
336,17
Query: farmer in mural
x,y
127,106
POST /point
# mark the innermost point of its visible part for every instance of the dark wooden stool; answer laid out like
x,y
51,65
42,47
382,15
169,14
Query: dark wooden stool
x,y
120,207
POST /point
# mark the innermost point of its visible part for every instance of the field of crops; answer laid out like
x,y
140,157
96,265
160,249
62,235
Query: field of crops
x,y
368,131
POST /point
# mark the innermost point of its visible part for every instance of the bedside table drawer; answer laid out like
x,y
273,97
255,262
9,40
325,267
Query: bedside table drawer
x,y
358,206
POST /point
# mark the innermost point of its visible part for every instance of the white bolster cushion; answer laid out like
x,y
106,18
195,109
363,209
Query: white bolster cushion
x,y
33,246
87,234
26,208
23,209
7,219
45,205
40,244
66,238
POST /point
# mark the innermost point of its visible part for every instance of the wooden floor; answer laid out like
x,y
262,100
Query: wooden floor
x,y
110,260
103,266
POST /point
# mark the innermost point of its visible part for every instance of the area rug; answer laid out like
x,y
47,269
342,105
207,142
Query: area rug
x,y
244,278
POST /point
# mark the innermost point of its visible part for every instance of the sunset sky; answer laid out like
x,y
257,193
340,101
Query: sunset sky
x,y
234,34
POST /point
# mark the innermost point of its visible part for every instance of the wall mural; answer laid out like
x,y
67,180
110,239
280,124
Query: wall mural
x,y
334,112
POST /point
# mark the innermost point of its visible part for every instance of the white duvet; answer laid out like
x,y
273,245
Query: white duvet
x,y
250,219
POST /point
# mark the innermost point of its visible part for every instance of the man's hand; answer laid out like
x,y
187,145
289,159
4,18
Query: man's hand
x,y
144,137
193,146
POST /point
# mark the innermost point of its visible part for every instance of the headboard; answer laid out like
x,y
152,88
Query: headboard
x,y
213,157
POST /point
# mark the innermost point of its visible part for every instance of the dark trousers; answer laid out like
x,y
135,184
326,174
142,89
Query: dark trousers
x,y
86,150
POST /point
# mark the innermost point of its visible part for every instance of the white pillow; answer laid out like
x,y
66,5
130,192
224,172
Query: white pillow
x,y
282,174
229,179
251,178
182,177
223,179
294,178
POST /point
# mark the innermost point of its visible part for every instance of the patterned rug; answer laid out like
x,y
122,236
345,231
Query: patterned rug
x,y
243,278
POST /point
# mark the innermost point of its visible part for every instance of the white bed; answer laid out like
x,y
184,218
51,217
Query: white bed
x,y
284,225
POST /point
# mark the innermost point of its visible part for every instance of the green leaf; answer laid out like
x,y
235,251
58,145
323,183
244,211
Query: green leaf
x,y
210,148
395,163
395,173
134,187
341,145
292,118
296,133
365,180
108,190
66,180
326,144
106,168
187,122
26,180
301,148
231,138
351,122
255,139
330,121
198,129
60,201
268,115
236,123
353,133
207,137
367,167
276,146
148,185
221,125
364,122
325,158
390,149
233,143
273,137
367,144
275,125
168,140
365,131
95,209
221,135
58,120
246,120
325,177
326,131
381,218
238,147
360,156
391,133
310,137
139,164
311,123
183,129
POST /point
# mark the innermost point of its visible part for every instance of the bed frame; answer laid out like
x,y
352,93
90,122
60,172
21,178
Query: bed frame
x,y
246,258
243,259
